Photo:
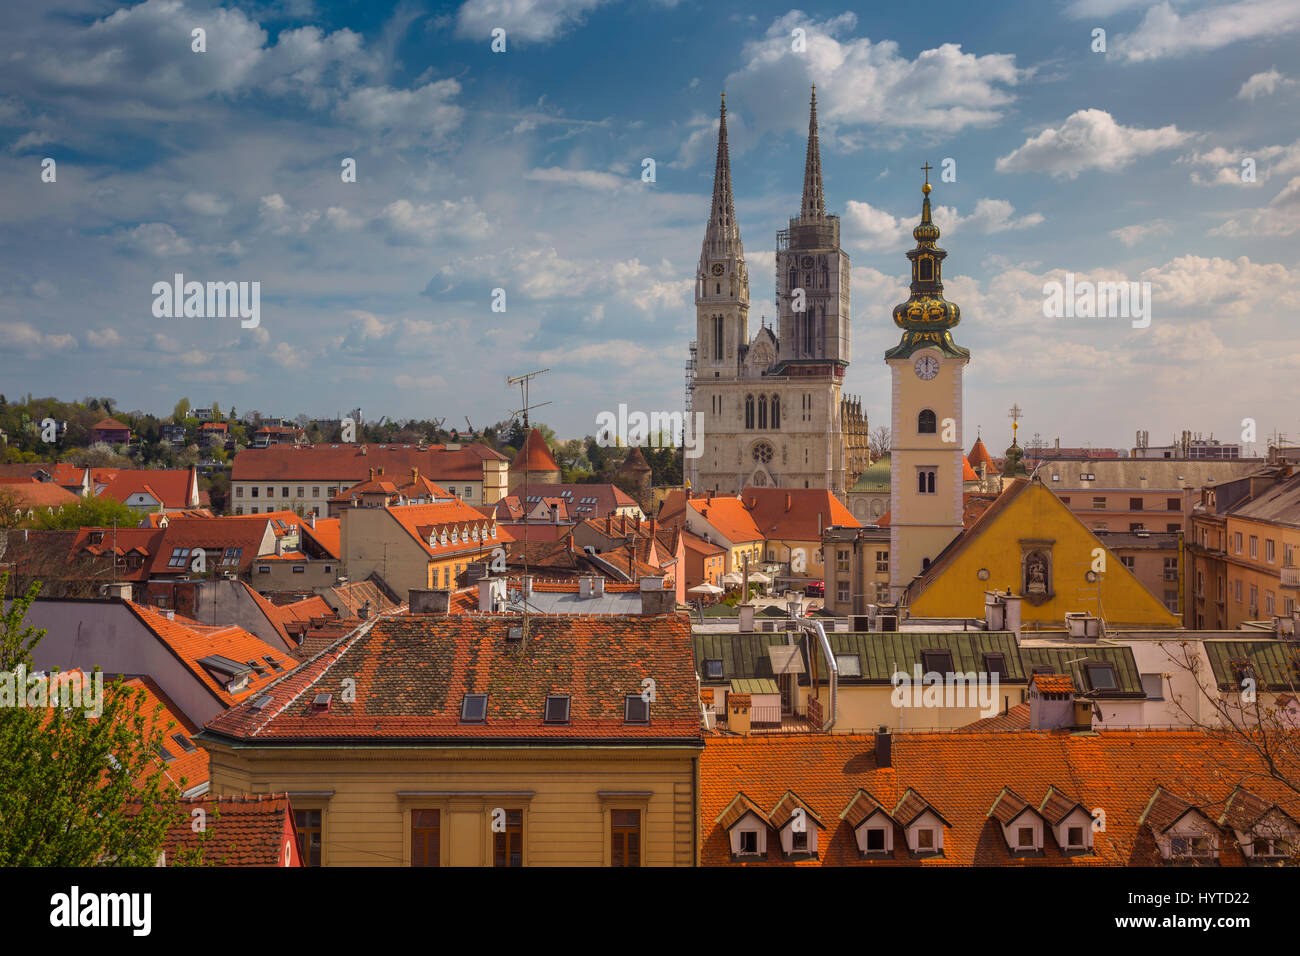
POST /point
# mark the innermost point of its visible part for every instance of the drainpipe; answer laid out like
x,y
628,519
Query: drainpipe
x,y
815,627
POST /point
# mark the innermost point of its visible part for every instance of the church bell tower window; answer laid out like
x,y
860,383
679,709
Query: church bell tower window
x,y
925,269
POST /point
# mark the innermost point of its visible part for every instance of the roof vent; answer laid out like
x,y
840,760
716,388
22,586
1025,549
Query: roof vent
x,y
515,635
261,702
322,702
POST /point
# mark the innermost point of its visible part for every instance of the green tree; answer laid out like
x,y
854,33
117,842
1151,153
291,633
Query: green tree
x,y
77,789
182,410
100,512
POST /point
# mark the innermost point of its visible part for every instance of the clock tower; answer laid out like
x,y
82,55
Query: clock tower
x,y
926,427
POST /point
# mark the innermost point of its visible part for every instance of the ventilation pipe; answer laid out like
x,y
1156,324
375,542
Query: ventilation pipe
x,y
815,628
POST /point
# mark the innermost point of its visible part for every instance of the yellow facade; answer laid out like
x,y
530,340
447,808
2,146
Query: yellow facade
x,y
1037,519
566,796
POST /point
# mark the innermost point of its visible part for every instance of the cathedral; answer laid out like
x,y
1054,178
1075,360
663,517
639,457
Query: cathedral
x,y
772,404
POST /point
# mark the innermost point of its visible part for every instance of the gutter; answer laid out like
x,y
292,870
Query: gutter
x,y
815,627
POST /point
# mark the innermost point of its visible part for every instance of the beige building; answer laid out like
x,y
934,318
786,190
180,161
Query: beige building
x,y
303,478
435,740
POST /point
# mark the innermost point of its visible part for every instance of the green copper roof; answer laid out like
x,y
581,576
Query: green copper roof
x,y
875,478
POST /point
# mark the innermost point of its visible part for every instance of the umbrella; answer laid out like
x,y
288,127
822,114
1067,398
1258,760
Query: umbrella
x,y
758,577
705,588
732,577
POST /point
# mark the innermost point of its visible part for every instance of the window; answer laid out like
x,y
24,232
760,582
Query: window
x,y
178,557
508,846
1025,838
231,557
848,665
762,412
315,491
1099,503
925,481
1173,504
636,709
936,662
996,664
270,491
875,839
1074,837
1101,676
300,489
749,841
717,338
557,709
882,562
300,569
925,839
308,823
425,827
1236,541
284,491
1270,551
799,842
1173,528
842,591
1254,597
473,708
252,492
1136,526
1135,504
1268,602
1236,590
1254,546
239,491
1171,569
926,422
1154,686
841,560
749,411
776,412
1127,560
925,269
625,838
332,492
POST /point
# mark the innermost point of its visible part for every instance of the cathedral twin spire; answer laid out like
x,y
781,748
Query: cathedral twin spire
x,y
814,198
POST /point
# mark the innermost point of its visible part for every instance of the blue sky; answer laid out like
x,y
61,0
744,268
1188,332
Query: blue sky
x,y
522,170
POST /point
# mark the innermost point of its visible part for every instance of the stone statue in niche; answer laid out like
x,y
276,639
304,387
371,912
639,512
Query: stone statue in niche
x,y
1036,574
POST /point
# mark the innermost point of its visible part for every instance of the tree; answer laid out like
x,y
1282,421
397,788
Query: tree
x,y
11,509
100,512
182,410
76,788
878,441
99,455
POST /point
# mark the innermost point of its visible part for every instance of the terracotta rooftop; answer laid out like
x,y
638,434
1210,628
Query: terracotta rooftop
x,y
351,462
534,456
256,830
411,673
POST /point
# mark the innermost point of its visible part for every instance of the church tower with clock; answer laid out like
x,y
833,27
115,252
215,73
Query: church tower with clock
x,y
926,426
773,412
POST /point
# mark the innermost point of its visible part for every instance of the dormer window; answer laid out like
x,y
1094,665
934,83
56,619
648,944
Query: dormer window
x,y
557,709
1101,677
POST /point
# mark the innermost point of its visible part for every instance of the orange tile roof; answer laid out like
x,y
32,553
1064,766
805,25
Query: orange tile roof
x,y
730,517
171,486
30,493
255,830
246,532
191,641
108,424
799,514
1054,683
410,673
979,454
967,472
419,521
352,463
189,769
534,456
961,775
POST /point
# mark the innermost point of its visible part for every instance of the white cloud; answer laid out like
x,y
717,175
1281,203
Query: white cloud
x,y
436,219
426,113
157,239
580,178
104,339
1132,235
1164,32
23,336
28,140
1088,139
1281,217
205,204
283,218
872,228
1264,84
532,20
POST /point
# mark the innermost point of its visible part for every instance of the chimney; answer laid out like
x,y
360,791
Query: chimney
x,y
656,598
787,501
491,591
119,590
591,586
415,475
1012,621
738,714
372,471
1052,710
884,748
311,520
526,586
638,522
609,526
381,470
364,612
428,601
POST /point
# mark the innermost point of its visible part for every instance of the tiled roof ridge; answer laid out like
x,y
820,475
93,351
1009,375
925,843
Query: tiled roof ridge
x,y
303,672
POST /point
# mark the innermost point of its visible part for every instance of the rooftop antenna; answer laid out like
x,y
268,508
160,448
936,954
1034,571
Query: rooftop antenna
x,y
523,382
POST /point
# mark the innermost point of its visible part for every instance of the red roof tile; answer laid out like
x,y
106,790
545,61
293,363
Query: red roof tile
x,y
256,830
534,456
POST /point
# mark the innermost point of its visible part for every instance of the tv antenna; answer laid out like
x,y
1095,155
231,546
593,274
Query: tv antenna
x,y
523,382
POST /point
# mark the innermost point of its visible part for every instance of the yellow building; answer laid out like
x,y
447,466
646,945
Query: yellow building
x,y
927,467
1028,541
418,546
435,740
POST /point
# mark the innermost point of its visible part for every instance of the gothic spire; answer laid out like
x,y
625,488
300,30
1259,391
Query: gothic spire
x,y
723,235
814,200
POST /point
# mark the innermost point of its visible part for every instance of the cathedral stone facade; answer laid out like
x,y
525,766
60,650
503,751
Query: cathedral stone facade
x,y
772,405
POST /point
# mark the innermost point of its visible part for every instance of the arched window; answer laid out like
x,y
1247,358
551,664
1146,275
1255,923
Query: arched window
x,y
925,269
826,277
776,412
762,412
794,280
926,423
749,411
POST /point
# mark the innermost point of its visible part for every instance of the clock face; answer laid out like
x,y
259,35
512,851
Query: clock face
x,y
807,262
927,367
717,268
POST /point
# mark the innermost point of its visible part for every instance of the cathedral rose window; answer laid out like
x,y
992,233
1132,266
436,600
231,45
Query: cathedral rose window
x,y
763,452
